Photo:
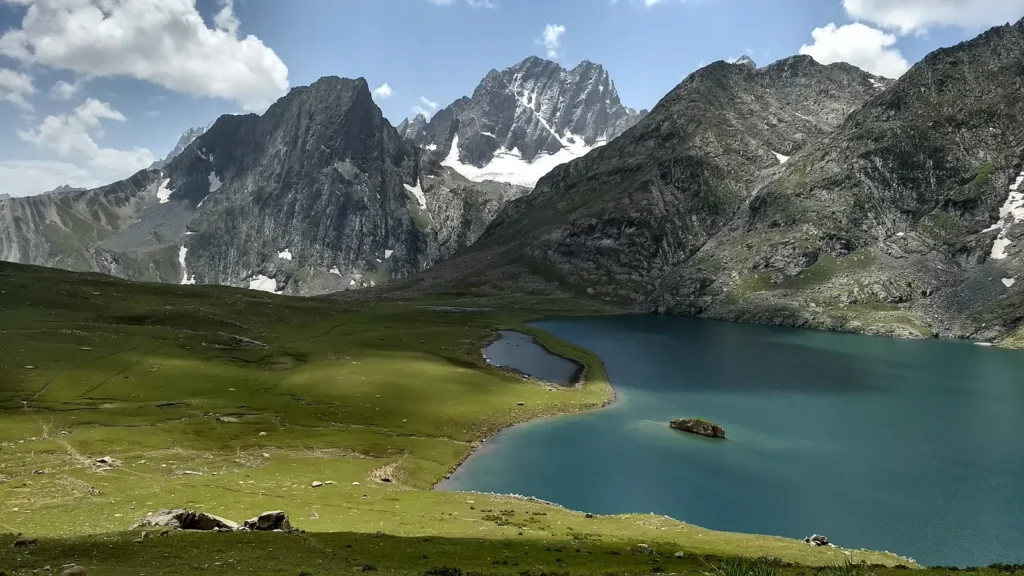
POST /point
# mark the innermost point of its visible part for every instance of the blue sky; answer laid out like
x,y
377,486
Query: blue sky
x,y
135,76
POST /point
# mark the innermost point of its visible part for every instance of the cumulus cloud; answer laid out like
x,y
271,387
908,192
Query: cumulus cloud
x,y
15,87
161,41
28,177
71,136
383,91
858,44
64,90
918,15
426,107
551,39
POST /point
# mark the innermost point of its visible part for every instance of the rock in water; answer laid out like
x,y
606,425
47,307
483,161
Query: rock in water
x,y
186,520
697,426
268,522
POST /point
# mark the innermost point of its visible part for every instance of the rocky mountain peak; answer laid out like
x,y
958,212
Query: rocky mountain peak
x,y
524,120
413,128
746,61
183,141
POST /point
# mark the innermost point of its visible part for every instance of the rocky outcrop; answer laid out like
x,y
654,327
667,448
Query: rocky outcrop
x,y
523,121
697,426
818,540
793,194
186,520
269,522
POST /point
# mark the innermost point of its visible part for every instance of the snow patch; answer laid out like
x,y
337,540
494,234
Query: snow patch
x,y
1011,212
388,253
417,191
335,271
214,182
489,134
185,280
263,284
285,255
431,147
877,84
1009,282
163,194
782,158
509,166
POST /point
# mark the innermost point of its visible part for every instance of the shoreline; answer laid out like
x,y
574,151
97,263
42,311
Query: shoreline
x,y
581,382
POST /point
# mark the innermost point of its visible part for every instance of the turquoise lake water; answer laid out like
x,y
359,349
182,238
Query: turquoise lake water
x,y
916,447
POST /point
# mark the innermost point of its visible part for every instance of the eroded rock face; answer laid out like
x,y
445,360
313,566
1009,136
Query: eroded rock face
x,y
186,520
268,522
319,194
701,427
794,194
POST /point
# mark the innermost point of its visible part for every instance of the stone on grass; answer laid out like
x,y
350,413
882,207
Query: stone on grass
x,y
817,540
74,571
269,522
679,555
186,520
644,549
316,484
108,461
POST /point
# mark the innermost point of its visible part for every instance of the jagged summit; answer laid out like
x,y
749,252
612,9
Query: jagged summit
x,y
745,61
524,120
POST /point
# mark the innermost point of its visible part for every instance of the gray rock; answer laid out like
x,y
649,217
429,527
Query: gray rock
x,y
268,522
182,519
74,571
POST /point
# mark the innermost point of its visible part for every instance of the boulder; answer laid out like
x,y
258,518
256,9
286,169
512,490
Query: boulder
x,y
108,461
698,426
817,540
25,543
186,520
268,522
644,549
74,571
317,484
679,555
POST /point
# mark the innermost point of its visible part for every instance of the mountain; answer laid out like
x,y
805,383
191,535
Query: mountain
x,y
318,194
794,194
65,188
414,128
523,121
187,138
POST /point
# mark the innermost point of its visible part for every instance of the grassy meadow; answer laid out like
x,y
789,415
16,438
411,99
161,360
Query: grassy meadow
x,y
234,402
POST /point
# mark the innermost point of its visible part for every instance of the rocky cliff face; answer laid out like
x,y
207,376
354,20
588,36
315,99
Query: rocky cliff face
x,y
523,121
318,194
187,138
795,194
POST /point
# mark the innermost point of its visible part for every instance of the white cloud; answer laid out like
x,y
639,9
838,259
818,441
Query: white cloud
x,y
71,135
858,44
383,91
427,108
64,90
15,86
161,41
551,39
919,15
28,177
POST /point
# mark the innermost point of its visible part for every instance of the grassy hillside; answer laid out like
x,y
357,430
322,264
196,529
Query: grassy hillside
x,y
234,402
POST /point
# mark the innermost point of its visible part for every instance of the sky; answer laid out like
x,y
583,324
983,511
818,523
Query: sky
x,y
92,91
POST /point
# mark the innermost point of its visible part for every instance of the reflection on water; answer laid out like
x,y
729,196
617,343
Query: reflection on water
x,y
522,353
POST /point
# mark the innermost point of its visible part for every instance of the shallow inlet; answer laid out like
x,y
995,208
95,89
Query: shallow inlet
x,y
522,353
908,446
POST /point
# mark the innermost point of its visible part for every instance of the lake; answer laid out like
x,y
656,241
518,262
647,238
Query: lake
x,y
521,352
916,447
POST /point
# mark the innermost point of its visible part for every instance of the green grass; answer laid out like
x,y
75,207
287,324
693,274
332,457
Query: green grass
x,y
233,402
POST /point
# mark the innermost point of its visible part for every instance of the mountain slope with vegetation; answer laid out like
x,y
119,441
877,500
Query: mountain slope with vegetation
x,y
795,194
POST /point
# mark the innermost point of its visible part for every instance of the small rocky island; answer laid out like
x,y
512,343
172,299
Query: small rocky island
x,y
698,426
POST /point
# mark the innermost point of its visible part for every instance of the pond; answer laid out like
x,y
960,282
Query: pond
x,y
522,353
